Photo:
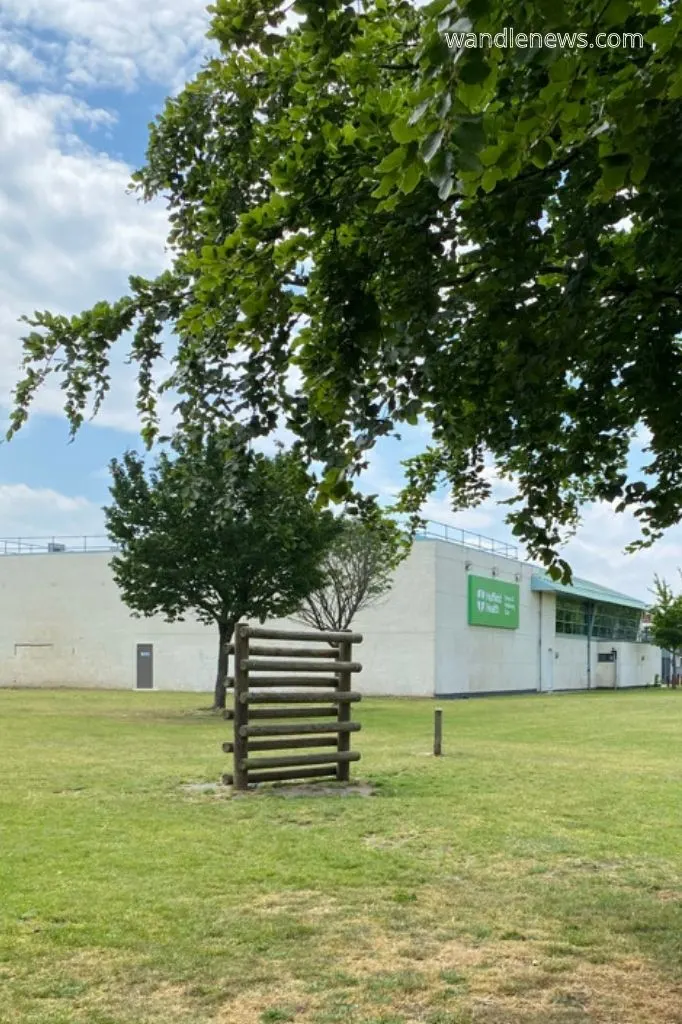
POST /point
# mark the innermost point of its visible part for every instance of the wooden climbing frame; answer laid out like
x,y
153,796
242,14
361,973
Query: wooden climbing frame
x,y
273,687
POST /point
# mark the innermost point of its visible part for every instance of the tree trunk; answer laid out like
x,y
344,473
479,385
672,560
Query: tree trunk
x,y
225,631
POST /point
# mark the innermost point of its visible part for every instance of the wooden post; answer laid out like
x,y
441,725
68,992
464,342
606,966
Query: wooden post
x,y
241,709
437,732
343,717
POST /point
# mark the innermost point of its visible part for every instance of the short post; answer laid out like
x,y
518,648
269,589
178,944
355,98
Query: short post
x,y
438,732
241,710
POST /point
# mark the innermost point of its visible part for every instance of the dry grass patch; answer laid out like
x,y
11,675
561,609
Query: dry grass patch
x,y
496,983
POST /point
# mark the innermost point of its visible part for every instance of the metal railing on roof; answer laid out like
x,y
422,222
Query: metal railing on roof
x,y
455,535
54,545
433,530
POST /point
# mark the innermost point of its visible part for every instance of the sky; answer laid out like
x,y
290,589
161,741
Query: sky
x,y
80,80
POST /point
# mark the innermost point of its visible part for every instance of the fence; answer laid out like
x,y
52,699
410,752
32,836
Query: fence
x,y
273,683
65,544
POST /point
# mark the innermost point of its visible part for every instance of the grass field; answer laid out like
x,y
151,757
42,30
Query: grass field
x,y
532,874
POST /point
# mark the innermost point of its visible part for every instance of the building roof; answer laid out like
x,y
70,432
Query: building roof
x,y
585,590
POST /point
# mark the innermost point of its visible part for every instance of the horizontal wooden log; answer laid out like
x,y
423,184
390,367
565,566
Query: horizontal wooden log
x,y
290,652
228,714
284,681
336,697
286,776
305,635
290,743
255,713
293,665
300,727
293,743
291,761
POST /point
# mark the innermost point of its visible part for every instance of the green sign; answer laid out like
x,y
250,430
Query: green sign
x,y
493,603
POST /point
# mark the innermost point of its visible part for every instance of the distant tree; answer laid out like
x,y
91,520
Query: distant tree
x,y
222,536
666,621
358,572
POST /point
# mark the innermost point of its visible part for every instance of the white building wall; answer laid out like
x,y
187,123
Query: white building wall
x,y
70,604
479,659
635,665
62,623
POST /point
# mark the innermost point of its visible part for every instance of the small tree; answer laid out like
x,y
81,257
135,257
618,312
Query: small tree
x,y
358,572
666,621
231,534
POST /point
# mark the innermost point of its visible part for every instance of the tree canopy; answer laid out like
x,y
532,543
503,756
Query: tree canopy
x,y
415,226
666,621
221,534
358,572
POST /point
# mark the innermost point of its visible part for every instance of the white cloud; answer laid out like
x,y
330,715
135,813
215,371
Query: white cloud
x,y
18,61
70,233
114,44
41,512
597,552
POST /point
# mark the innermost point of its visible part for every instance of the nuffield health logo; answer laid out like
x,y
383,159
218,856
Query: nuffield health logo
x,y
488,601
492,602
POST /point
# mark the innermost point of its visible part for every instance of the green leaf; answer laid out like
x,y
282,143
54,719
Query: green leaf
x,y
403,132
444,191
445,105
350,133
553,12
489,179
474,69
468,161
662,36
490,155
639,167
394,159
570,111
675,90
617,12
410,178
431,146
385,186
254,304
615,172
469,135
541,153
419,112
561,69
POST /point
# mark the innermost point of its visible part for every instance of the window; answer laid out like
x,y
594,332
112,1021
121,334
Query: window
x,y
609,621
571,616
615,622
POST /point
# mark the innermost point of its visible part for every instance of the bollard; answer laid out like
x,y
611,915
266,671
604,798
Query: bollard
x,y
437,732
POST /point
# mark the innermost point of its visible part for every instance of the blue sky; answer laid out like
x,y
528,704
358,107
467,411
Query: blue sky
x,y
79,82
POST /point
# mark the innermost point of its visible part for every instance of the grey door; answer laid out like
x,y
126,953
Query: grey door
x,y
145,667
